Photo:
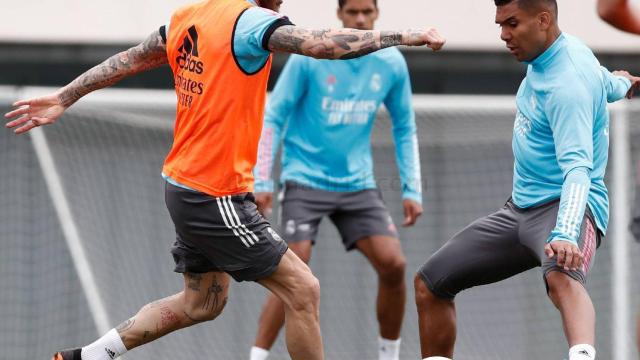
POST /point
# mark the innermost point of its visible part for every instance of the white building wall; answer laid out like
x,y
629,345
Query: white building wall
x,y
467,24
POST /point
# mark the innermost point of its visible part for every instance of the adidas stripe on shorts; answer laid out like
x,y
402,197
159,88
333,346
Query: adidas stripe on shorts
x,y
222,234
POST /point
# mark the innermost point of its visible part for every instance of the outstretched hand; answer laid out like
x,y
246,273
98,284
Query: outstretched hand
x,y
569,255
34,112
635,81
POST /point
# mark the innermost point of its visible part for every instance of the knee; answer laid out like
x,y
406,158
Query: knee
x,y
393,270
434,279
204,311
560,285
307,295
424,296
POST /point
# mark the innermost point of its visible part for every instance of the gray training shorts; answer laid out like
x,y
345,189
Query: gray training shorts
x,y
356,214
222,234
501,245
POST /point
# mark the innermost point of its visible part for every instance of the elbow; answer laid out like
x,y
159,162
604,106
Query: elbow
x,y
405,128
578,172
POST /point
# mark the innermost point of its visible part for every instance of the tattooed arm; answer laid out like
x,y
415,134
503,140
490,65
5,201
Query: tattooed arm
x,y
146,56
46,110
347,43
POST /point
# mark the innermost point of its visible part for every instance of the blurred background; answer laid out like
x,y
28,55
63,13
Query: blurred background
x,y
46,42
87,193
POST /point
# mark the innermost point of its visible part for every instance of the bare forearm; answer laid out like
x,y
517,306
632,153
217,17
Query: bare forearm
x,y
148,55
339,43
100,76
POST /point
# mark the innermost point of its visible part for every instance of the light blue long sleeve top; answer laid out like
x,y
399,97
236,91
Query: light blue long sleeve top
x,y
561,135
323,112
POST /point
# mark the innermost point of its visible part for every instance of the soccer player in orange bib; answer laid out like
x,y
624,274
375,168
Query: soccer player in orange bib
x,y
220,55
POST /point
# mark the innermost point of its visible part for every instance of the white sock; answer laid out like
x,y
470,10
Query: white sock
x,y
582,352
108,347
436,358
259,353
388,349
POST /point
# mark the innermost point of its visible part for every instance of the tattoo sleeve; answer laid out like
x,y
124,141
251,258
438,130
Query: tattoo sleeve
x,y
332,44
150,54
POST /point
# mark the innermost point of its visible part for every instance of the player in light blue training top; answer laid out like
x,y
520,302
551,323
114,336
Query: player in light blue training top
x,y
560,143
558,212
323,113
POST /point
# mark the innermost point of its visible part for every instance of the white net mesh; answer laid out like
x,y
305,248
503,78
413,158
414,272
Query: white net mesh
x,y
108,152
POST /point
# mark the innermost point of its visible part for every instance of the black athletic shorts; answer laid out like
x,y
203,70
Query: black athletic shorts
x,y
501,245
356,215
222,234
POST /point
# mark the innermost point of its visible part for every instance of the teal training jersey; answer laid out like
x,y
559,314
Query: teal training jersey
x,y
561,134
323,111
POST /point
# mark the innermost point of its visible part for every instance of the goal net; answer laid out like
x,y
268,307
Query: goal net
x,y
86,236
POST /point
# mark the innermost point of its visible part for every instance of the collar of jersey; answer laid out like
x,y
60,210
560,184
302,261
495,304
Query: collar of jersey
x,y
547,56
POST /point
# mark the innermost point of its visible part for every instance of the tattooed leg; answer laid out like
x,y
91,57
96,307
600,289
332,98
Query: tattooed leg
x,y
212,299
206,296
152,321
202,299
193,281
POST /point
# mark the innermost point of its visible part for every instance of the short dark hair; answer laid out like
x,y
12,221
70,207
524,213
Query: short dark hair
x,y
531,4
342,3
